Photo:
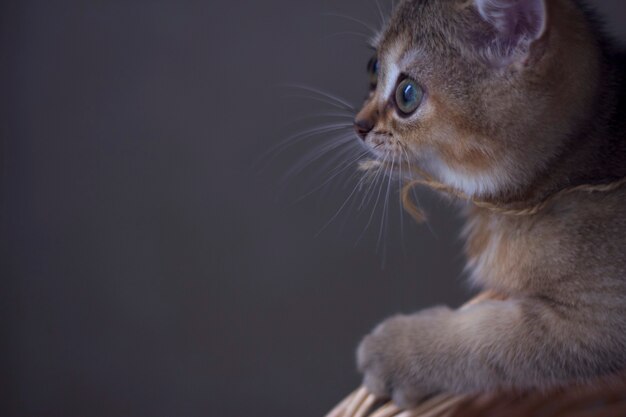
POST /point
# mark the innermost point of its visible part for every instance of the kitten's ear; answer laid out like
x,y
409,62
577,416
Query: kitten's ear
x,y
515,24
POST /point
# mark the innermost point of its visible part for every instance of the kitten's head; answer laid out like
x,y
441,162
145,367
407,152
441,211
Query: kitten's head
x,y
481,94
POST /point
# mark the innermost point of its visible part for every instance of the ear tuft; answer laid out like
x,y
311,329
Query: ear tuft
x,y
516,24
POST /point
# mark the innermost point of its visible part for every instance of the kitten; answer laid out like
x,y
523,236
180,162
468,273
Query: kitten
x,y
508,102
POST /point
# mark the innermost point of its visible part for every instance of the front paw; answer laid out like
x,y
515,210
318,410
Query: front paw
x,y
396,359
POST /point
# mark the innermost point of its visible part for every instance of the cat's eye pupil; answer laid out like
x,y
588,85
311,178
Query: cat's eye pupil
x,y
409,93
408,96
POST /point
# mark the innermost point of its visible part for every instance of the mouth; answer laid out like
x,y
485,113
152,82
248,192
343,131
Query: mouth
x,y
385,148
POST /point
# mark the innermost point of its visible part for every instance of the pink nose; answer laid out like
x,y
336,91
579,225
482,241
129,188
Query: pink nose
x,y
363,127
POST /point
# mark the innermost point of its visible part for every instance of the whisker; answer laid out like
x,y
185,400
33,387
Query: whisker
x,y
380,188
332,164
353,19
318,99
380,12
333,97
299,137
385,213
333,176
333,160
355,178
371,187
361,35
356,187
338,183
402,242
384,220
337,115
319,130
314,156
354,190
367,195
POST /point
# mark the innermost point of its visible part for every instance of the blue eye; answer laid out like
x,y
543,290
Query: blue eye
x,y
373,66
408,96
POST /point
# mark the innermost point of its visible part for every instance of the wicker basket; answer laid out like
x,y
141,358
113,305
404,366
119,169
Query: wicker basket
x,y
603,398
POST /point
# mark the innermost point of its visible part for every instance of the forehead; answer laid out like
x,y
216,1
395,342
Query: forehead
x,y
427,25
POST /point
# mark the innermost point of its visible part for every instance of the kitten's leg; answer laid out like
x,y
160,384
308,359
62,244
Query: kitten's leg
x,y
524,343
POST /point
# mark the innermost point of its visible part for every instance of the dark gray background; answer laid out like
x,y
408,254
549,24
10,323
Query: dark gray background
x,y
151,264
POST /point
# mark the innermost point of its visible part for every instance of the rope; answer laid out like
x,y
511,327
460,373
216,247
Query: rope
x,y
428,181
